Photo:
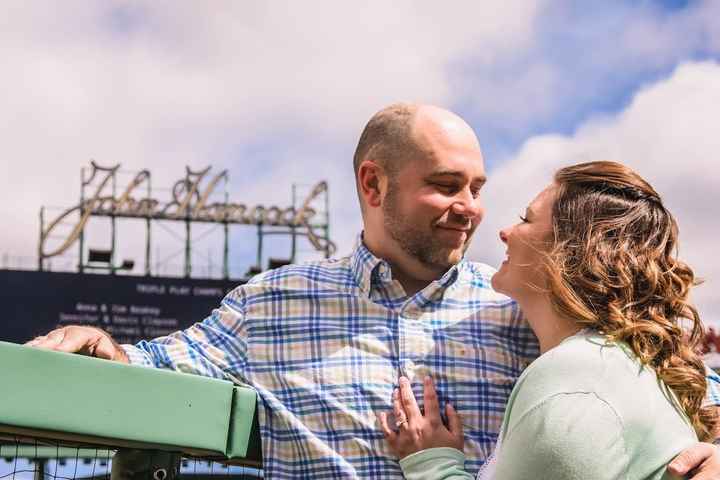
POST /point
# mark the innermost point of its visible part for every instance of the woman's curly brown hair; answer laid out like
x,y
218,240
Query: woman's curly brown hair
x,y
613,268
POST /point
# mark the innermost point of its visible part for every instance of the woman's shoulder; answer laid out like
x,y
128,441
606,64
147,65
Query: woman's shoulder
x,y
593,368
580,362
590,387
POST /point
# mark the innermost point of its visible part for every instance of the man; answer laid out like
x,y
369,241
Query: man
x,y
324,343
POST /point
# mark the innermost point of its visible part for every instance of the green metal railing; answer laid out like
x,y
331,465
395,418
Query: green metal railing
x,y
64,406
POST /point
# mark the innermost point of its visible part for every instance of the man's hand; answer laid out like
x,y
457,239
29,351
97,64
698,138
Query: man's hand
x,y
699,462
415,431
84,340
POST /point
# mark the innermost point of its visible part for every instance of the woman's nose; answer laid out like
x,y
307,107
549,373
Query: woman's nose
x,y
503,236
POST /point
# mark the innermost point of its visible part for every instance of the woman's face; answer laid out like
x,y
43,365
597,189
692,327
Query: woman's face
x,y
526,242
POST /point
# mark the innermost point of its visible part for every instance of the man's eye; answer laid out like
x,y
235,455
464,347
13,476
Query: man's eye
x,y
523,219
446,187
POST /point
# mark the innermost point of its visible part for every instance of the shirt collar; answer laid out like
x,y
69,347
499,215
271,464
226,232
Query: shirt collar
x,y
366,268
363,263
451,275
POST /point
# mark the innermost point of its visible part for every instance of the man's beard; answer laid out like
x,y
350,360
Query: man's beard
x,y
415,240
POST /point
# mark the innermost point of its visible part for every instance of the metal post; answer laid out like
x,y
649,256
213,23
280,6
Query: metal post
x,y
188,251
260,246
293,234
226,234
40,470
148,224
327,221
112,224
81,261
42,229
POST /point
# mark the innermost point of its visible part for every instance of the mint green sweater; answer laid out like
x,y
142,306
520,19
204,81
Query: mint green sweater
x,y
585,409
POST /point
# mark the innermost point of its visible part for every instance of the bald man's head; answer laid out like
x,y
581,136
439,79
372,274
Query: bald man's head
x,y
388,138
433,126
419,171
404,132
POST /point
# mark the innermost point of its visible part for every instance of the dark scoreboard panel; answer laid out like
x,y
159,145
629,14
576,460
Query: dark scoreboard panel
x,y
130,308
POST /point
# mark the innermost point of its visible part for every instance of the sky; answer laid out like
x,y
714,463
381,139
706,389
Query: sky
x,y
277,92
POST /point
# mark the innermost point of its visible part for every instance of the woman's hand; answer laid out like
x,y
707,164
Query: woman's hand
x,y
417,431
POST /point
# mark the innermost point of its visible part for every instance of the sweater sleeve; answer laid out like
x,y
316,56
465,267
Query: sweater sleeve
x,y
435,464
566,436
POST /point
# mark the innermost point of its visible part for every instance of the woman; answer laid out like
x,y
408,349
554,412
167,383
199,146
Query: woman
x,y
617,391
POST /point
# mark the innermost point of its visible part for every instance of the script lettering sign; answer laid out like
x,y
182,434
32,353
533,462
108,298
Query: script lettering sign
x,y
189,202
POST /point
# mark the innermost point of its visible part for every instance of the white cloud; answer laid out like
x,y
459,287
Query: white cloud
x,y
166,84
277,92
668,134
664,37
583,56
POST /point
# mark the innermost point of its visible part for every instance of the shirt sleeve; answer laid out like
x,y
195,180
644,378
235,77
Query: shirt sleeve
x,y
568,436
712,394
435,464
215,347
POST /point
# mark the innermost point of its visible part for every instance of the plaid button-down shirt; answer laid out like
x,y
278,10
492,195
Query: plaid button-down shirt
x,y
324,344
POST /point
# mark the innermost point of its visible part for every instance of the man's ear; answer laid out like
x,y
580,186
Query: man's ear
x,y
372,183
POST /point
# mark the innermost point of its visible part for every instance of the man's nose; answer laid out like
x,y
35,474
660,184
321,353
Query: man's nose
x,y
467,205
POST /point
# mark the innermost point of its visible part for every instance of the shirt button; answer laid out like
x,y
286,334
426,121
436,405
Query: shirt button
x,y
411,315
